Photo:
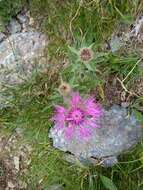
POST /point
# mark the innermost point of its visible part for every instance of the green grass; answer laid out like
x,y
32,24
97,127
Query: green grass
x,y
8,9
75,24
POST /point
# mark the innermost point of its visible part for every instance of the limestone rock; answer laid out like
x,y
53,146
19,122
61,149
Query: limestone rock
x,y
23,18
116,43
14,26
118,132
20,57
17,56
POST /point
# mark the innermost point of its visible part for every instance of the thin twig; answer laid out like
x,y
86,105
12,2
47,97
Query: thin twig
x,y
126,90
132,70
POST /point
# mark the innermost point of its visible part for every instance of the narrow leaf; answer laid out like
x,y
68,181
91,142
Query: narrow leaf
x,y
73,50
108,183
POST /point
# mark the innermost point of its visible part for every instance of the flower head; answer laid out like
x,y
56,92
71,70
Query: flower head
x,y
86,54
79,117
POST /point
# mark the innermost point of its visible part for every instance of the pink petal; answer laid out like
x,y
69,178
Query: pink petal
x,y
95,112
60,109
69,132
90,102
75,100
85,132
60,116
90,112
93,109
91,123
59,124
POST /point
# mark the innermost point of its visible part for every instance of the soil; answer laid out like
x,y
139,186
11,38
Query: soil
x,y
112,91
3,174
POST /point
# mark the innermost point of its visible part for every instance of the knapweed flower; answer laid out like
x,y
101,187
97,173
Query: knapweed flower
x,y
80,117
86,54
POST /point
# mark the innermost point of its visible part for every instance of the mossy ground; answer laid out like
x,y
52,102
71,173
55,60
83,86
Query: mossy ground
x,y
76,24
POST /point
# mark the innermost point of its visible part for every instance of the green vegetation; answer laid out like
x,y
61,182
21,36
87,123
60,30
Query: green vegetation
x,y
32,110
8,9
71,25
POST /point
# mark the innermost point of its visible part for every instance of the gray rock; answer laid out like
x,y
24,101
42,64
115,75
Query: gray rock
x,y
23,18
109,162
20,57
2,36
118,132
116,43
14,26
137,29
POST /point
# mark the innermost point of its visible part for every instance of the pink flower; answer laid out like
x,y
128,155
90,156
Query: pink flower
x,y
79,117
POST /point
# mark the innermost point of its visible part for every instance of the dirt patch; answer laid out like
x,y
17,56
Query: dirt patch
x,y
7,176
2,176
14,158
112,90
138,86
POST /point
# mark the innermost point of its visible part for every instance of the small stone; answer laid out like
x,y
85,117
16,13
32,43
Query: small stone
x,y
116,43
137,28
125,104
10,184
16,162
14,26
109,162
31,21
23,18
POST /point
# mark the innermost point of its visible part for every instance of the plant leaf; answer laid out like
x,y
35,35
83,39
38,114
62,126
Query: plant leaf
x,y
88,66
108,183
138,115
73,50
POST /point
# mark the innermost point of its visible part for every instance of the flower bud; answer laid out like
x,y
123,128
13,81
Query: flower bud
x,y
64,89
86,54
